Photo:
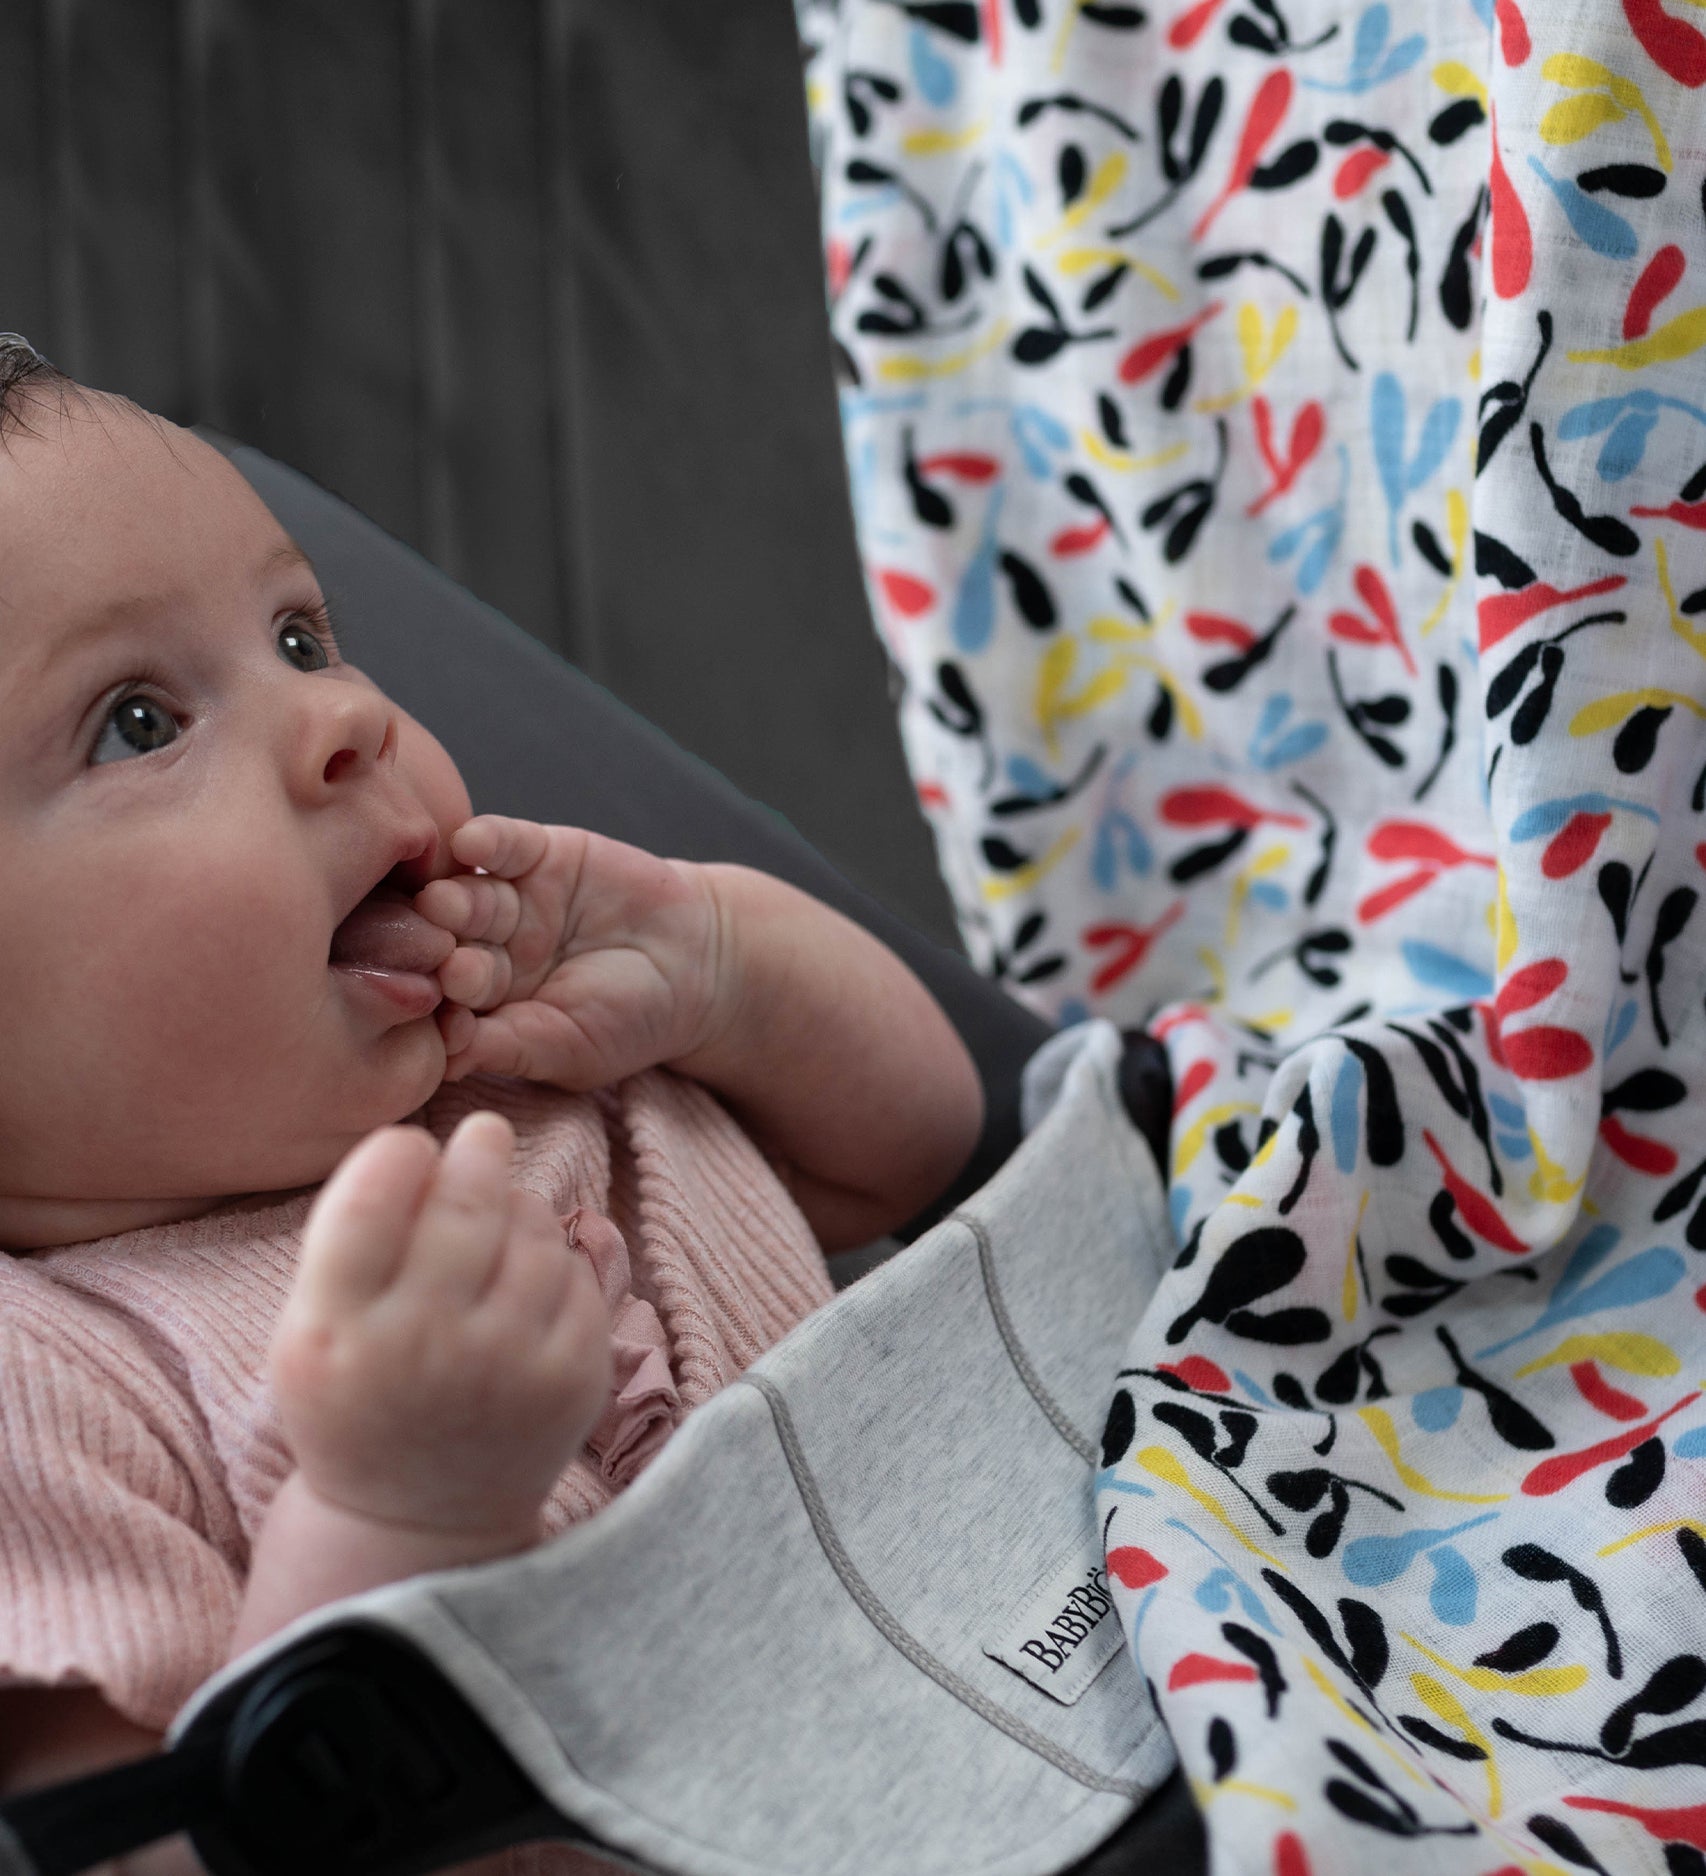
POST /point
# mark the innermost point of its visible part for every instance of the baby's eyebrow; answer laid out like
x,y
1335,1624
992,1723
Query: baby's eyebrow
x,y
286,554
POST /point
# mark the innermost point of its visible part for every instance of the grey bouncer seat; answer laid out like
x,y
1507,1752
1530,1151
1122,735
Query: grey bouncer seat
x,y
851,1622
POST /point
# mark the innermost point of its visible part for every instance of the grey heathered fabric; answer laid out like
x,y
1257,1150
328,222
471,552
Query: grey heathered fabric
x,y
768,1656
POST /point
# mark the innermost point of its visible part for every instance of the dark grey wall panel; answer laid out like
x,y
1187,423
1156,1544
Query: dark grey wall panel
x,y
532,282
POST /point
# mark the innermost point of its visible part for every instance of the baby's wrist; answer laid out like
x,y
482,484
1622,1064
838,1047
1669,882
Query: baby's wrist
x,y
390,1544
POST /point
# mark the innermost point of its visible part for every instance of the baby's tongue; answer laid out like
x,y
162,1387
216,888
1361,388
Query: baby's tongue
x,y
386,933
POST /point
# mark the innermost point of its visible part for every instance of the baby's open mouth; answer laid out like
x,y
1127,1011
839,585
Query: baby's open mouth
x,y
385,933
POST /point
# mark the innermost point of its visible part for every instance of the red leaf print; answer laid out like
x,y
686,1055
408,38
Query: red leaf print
x,y
1676,48
1199,1372
1598,1392
1477,1211
967,467
1668,1823
1079,540
1213,629
1553,1474
1371,590
1147,356
1502,613
1573,845
1689,514
932,795
1193,1669
1415,840
1513,247
1380,902
1131,945
1658,277
1191,1084
1356,169
1290,1857
992,29
1635,1149
1267,108
1135,1568
906,593
1192,23
1545,1053
1514,42
1531,985
1200,807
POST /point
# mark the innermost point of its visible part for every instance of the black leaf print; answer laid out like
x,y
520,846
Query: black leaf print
x,y
1031,595
1120,1428
1512,1421
1428,1734
1251,1267
1607,532
1495,561
1445,687
1442,1215
1222,1749
1532,712
1201,1435
1125,19
1451,123
1159,722
1398,214
1647,1091
1113,424
1517,1653
1366,1633
1178,379
1639,1476
1456,291
1682,1859
1256,1649
1676,1684
1319,1629
1072,172
1308,1145
957,18
930,505
1536,1565
1177,167
1339,1381
1001,856
1638,738
1638,181
1508,399
1316,883
1693,1548
1507,684
1675,911
1229,673
1616,892
1291,165
856,88
1428,546
1338,287
1425,1288
1562,1841
1103,287
1384,1128
1204,859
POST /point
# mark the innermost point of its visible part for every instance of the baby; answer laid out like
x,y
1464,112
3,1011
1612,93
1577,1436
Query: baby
x,y
251,925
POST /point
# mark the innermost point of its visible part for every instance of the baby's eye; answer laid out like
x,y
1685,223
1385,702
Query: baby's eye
x,y
135,726
301,646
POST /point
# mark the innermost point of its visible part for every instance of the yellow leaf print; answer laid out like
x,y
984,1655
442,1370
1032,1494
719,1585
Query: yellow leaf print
x,y
1617,1348
1458,81
1677,338
1444,1704
1537,1683
1572,119
941,142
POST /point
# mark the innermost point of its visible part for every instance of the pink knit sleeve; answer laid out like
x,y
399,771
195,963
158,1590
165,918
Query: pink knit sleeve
x,y
120,1560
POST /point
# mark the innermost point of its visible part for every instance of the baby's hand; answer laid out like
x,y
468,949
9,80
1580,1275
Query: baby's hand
x,y
587,960
443,1354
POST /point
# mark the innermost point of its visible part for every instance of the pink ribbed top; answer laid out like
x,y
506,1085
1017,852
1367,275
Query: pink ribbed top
x,y
139,1443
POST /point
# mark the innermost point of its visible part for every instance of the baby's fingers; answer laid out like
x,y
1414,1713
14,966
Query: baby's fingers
x,y
499,844
474,909
464,1218
361,1221
477,976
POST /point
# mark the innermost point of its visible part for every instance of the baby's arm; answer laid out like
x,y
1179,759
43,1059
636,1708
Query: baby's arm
x,y
442,1357
587,960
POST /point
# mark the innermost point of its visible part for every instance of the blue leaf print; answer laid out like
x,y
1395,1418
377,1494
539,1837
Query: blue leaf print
x,y
1371,1561
1622,451
1603,229
1655,1272
1690,1445
1212,1595
1270,749
1545,818
974,606
1368,67
1618,1026
1453,1591
1038,435
1600,413
1444,970
1347,1113
933,73
1436,1408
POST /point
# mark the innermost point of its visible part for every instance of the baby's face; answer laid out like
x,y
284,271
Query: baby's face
x,y
194,792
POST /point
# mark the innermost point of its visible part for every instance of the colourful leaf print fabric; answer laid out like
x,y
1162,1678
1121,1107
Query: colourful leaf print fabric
x,y
1277,431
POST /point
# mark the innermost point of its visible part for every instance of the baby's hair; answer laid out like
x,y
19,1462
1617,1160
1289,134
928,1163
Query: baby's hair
x,y
24,374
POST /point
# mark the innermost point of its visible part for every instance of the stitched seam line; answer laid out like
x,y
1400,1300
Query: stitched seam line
x,y
823,1527
1015,1349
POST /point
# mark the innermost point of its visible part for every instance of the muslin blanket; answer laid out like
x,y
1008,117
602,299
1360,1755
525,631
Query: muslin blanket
x,y
1277,431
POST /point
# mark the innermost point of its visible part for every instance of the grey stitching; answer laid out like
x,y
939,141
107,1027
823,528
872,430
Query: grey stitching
x,y
823,1527
1015,1349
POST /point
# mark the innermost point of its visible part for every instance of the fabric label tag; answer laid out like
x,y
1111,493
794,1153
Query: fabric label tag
x,y
1066,1633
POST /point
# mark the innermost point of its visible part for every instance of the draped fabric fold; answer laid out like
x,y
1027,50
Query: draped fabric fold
x,y
1277,444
